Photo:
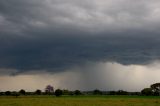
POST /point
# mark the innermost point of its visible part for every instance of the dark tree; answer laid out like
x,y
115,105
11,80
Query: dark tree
x,y
112,93
65,92
49,89
58,92
77,92
147,91
38,92
7,93
1,93
22,92
71,93
16,94
121,92
97,92
156,88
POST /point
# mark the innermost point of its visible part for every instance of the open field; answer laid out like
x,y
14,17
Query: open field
x,y
80,101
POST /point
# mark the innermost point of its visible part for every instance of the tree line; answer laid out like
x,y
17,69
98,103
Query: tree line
x,y
153,90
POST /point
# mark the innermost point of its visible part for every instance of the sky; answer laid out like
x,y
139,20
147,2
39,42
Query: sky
x,y
79,44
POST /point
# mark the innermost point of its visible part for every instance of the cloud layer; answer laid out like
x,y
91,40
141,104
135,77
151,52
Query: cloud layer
x,y
57,35
58,54
87,16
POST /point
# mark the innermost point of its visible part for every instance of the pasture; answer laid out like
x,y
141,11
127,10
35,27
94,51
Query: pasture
x,y
80,101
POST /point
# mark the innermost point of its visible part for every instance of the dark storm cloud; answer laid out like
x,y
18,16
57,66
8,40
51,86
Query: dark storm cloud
x,y
57,34
60,53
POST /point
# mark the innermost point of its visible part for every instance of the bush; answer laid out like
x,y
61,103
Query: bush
x,y
71,93
121,92
147,91
22,92
1,93
58,92
66,92
16,94
38,92
77,92
112,93
7,93
97,92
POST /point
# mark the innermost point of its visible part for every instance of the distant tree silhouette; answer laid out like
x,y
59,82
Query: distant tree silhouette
x,y
121,92
65,92
16,94
97,92
112,93
49,89
156,88
58,92
71,93
147,91
38,92
1,93
7,93
77,92
22,92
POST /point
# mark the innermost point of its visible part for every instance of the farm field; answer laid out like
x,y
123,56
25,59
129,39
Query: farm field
x,y
80,101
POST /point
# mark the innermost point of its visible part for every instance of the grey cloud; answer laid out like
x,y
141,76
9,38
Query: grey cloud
x,y
56,35
58,54
88,16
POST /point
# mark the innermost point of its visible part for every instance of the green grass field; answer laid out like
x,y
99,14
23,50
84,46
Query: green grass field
x,y
80,101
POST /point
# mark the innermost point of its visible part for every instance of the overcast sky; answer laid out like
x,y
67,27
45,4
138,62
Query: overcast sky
x,y
79,44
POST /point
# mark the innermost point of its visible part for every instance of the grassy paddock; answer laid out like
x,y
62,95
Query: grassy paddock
x,y
80,101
